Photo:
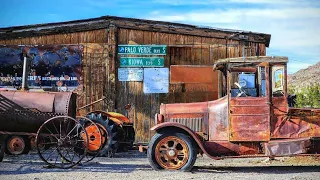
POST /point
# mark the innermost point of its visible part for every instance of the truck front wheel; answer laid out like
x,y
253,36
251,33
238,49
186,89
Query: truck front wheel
x,y
172,151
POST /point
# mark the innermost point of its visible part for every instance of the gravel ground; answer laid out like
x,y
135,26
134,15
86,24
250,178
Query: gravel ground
x,y
134,165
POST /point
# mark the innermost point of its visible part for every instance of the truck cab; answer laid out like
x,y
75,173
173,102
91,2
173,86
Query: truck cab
x,y
251,118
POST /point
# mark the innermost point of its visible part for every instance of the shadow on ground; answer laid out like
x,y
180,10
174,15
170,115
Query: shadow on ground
x,y
260,169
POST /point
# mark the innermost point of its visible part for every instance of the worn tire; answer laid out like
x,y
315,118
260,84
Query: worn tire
x,y
192,149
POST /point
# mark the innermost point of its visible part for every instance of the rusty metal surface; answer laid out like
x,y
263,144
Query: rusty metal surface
x,y
194,124
192,115
293,122
225,148
218,119
62,102
249,119
287,147
26,111
196,107
297,123
41,101
193,74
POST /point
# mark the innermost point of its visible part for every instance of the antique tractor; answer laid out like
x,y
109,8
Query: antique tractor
x,y
251,119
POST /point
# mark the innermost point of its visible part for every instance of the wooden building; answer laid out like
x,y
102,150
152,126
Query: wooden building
x,y
186,45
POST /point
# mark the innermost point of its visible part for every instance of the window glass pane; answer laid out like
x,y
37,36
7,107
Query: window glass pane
x,y
277,81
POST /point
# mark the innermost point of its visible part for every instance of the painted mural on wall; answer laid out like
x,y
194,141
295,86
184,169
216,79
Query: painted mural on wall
x,y
51,67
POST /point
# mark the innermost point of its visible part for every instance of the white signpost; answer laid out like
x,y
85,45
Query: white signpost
x,y
130,74
156,80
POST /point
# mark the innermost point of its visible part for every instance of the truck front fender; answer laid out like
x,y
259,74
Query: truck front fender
x,y
186,130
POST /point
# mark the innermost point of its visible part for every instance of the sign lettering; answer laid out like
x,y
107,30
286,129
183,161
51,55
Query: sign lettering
x,y
141,62
143,49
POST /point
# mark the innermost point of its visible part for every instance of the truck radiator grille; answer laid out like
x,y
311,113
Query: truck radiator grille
x,y
193,123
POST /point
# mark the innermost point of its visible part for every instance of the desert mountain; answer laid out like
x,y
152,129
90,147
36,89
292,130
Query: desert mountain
x,y
305,77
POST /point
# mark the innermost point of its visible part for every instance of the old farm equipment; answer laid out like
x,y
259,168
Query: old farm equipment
x,y
119,125
122,131
62,139
252,119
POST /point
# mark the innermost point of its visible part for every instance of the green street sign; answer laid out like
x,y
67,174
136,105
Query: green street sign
x,y
143,49
141,62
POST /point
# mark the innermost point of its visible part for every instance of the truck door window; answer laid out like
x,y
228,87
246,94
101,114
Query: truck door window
x,y
277,81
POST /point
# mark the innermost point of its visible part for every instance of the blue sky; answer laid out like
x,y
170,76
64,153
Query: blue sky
x,y
293,24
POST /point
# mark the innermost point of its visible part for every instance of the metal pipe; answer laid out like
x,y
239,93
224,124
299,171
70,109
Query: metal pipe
x,y
94,102
24,75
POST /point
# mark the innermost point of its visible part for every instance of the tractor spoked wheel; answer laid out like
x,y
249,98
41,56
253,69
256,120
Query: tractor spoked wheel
x,y
108,128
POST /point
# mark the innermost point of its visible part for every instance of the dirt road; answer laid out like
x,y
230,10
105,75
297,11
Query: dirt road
x,y
134,165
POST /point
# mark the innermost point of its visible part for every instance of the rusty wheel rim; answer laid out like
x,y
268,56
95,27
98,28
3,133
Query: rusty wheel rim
x,y
94,137
16,145
172,153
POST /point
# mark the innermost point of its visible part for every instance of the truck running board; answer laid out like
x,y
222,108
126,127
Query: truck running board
x,y
285,147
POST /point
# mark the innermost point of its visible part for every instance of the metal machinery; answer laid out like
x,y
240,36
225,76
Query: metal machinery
x,y
48,122
61,139
252,119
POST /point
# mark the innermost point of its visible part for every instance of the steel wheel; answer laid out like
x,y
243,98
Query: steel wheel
x,y
17,145
172,151
67,142
109,131
96,138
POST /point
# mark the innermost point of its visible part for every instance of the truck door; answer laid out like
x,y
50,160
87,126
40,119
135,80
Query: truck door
x,y
249,110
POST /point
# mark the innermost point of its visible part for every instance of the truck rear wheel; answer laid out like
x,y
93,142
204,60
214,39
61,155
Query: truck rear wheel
x,y
172,151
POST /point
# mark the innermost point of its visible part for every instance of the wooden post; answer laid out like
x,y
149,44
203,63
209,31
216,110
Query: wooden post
x,y
113,44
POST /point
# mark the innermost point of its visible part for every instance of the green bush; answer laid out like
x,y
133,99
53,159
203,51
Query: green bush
x,y
306,96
